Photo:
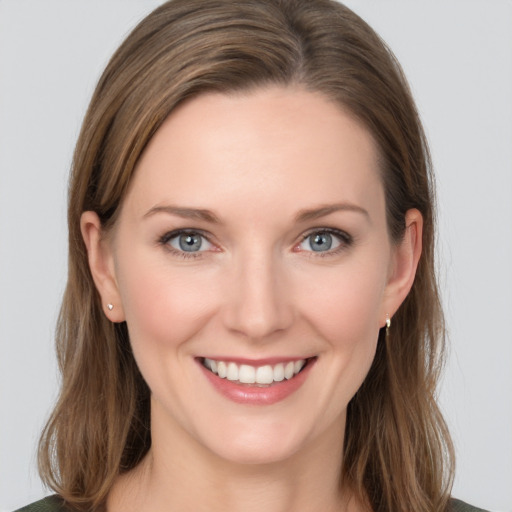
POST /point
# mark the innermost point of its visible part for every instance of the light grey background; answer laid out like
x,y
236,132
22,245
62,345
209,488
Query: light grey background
x,y
458,57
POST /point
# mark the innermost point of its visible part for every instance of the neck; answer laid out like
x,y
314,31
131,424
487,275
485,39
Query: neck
x,y
181,474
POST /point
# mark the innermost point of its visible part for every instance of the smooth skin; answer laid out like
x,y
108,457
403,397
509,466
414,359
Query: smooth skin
x,y
286,253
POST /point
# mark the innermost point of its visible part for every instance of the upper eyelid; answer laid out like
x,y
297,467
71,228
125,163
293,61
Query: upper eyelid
x,y
345,236
181,231
334,231
166,238
345,242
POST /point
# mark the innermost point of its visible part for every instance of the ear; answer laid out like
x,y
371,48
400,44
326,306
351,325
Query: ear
x,y
404,263
101,264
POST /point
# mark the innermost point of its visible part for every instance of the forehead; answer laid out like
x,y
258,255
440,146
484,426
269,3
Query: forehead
x,y
270,147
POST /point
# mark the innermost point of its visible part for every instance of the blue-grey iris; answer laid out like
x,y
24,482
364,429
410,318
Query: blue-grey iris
x,y
190,242
320,242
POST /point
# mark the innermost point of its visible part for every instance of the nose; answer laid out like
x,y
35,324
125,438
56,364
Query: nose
x,y
258,298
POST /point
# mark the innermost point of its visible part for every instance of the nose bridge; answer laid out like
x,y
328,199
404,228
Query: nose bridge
x,y
258,300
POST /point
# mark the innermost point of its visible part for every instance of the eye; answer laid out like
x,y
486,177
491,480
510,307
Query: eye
x,y
327,240
187,241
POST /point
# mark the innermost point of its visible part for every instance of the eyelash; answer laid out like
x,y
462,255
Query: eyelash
x,y
165,239
344,238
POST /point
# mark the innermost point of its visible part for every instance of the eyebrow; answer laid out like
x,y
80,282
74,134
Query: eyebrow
x,y
209,216
324,210
186,213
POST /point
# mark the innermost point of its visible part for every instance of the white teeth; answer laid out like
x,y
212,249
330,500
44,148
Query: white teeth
x,y
232,372
279,372
222,370
298,365
265,375
288,370
247,374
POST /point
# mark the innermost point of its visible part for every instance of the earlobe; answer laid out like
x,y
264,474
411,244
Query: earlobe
x,y
405,262
101,264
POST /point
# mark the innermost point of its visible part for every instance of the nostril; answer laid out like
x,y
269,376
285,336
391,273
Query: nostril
x,y
256,320
257,300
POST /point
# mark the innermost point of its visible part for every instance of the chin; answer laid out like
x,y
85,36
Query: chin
x,y
257,444
256,454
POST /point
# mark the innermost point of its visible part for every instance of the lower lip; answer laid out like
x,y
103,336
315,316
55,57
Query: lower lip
x,y
254,395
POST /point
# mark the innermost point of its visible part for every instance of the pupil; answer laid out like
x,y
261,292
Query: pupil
x,y
190,243
321,242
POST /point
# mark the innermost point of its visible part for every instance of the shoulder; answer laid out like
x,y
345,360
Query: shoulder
x,y
49,504
460,506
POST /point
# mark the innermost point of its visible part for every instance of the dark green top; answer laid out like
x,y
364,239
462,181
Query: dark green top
x,y
460,506
48,504
55,504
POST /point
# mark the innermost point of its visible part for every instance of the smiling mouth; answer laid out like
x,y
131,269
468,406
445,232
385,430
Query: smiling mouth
x,y
259,376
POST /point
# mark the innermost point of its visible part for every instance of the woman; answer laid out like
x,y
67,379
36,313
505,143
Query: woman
x,y
251,317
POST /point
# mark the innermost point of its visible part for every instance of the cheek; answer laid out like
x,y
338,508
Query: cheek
x,y
345,314
164,306
345,304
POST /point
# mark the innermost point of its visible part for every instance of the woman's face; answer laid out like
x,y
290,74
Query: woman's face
x,y
254,236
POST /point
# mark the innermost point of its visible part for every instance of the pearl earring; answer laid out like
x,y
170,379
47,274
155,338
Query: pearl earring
x,y
110,307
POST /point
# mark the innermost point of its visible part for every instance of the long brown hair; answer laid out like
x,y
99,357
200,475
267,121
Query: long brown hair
x,y
398,454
